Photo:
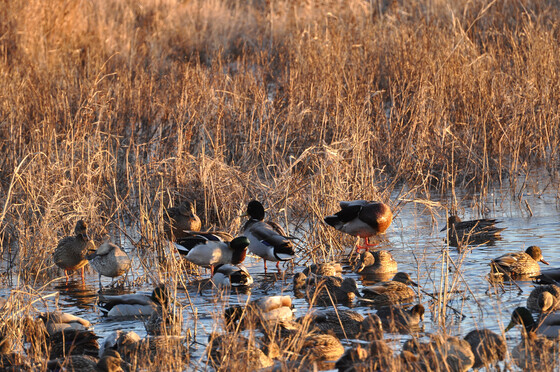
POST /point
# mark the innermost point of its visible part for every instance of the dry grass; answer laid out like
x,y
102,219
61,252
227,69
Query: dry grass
x,y
112,110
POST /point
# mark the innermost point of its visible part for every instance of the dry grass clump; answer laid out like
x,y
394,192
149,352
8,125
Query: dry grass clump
x,y
112,111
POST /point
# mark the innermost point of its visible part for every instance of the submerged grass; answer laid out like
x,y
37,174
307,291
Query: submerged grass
x,y
111,111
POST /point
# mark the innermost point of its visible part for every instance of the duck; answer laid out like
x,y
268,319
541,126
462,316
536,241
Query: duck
x,y
180,221
261,312
544,298
213,248
441,353
73,342
347,324
362,219
390,292
110,362
71,252
396,318
479,231
535,353
548,325
134,305
10,360
519,264
488,347
328,290
231,276
141,352
235,348
268,240
377,356
548,276
323,269
165,320
376,262
109,260
58,321
320,347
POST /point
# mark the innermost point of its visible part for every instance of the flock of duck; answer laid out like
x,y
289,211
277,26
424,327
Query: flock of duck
x,y
320,284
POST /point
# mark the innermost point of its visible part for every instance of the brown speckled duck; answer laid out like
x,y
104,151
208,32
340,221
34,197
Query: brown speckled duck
x,y
519,264
71,252
178,221
471,232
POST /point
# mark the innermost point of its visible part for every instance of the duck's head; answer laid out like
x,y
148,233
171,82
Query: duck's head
x,y
451,221
404,278
81,230
111,361
521,316
187,209
161,295
418,310
255,210
240,243
536,253
366,259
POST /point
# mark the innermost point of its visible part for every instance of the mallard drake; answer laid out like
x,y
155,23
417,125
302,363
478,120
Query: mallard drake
x,y
548,325
544,298
268,240
347,324
109,260
212,248
519,264
180,221
397,318
390,292
71,252
488,347
109,362
57,321
441,353
361,218
471,232
327,290
134,305
231,276
376,262
261,312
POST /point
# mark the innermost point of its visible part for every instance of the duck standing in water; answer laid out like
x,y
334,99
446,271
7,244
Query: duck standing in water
x,y
211,249
268,240
71,252
109,260
362,219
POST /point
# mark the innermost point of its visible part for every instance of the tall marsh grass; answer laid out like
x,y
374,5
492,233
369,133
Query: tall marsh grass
x,y
112,110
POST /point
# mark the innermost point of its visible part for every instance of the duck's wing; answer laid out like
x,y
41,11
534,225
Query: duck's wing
x,y
264,232
138,299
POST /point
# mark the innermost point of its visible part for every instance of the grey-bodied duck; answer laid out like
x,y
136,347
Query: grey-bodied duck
x,y
268,240
109,260
213,248
361,218
488,347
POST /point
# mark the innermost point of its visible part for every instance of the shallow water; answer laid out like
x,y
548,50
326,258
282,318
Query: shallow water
x,y
416,243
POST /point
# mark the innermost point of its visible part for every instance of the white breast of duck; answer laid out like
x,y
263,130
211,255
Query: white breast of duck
x,y
131,305
268,243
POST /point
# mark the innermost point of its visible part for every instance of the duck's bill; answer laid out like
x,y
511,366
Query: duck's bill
x,y
544,262
510,326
